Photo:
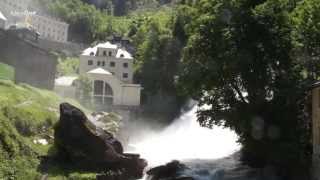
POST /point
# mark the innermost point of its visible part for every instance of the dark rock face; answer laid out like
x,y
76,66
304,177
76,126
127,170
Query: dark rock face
x,y
80,142
170,171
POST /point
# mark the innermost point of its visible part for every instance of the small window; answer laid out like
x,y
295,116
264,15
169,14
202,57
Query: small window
x,y
121,55
125,75
90,62
103,63
112,64
110,53
99,63
104,53
92,53
125,65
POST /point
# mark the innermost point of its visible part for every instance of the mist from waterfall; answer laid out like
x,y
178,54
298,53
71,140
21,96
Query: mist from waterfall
x,y
185,139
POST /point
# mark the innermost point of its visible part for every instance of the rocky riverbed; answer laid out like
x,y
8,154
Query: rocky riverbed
x,y
228,168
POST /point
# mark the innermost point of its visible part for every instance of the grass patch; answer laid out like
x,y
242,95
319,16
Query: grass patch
x,y
27,114
6,72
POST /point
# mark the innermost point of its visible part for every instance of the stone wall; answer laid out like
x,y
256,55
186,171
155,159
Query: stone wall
x,y
33,65
68,48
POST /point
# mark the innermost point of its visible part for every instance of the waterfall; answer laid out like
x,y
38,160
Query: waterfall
x,y
185,139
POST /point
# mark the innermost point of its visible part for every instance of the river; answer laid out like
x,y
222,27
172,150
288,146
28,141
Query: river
x,y
211,154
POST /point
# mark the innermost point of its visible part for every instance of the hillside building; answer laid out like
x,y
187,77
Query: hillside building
x,y
49,28
24,13
110,68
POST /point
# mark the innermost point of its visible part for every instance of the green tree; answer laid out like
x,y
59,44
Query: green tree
x,y
68,66
84,87
306,19
239,61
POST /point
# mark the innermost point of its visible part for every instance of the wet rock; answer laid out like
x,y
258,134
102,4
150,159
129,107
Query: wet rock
x,y
79,141
170,171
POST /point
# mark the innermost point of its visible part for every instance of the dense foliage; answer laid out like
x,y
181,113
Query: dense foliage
x,y
68,66
243,60
249,61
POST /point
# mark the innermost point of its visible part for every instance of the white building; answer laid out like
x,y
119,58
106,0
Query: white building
x,y
18,12
49,28
110,69
3,21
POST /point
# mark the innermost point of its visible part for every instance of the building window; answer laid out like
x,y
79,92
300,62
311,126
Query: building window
x,y
90,62
92,53
103,63
121,55
110,53
112,64
104,53
125,65
99,63
125,75
98,87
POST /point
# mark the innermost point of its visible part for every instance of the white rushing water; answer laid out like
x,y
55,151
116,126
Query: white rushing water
x,y
185,139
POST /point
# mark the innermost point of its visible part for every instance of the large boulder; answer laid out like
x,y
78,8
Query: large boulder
x,y
170,171
77,140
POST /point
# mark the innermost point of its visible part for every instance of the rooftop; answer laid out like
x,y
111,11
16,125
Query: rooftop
x,y
121,53
65,80
99,71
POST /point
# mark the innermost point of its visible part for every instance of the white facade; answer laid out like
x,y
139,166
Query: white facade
x,y
49,28
111,70
109,57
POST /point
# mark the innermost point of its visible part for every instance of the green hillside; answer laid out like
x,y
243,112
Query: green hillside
x,y
27,114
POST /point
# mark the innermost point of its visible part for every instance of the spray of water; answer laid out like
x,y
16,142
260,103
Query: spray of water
x,y
186,139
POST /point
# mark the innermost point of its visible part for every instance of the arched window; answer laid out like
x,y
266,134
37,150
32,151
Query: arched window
x,y
108,94
98,87
108,90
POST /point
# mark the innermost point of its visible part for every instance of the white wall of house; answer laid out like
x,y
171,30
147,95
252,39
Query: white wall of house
x,y
119,62
118,66
114,66
131,94
50,28
123,94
